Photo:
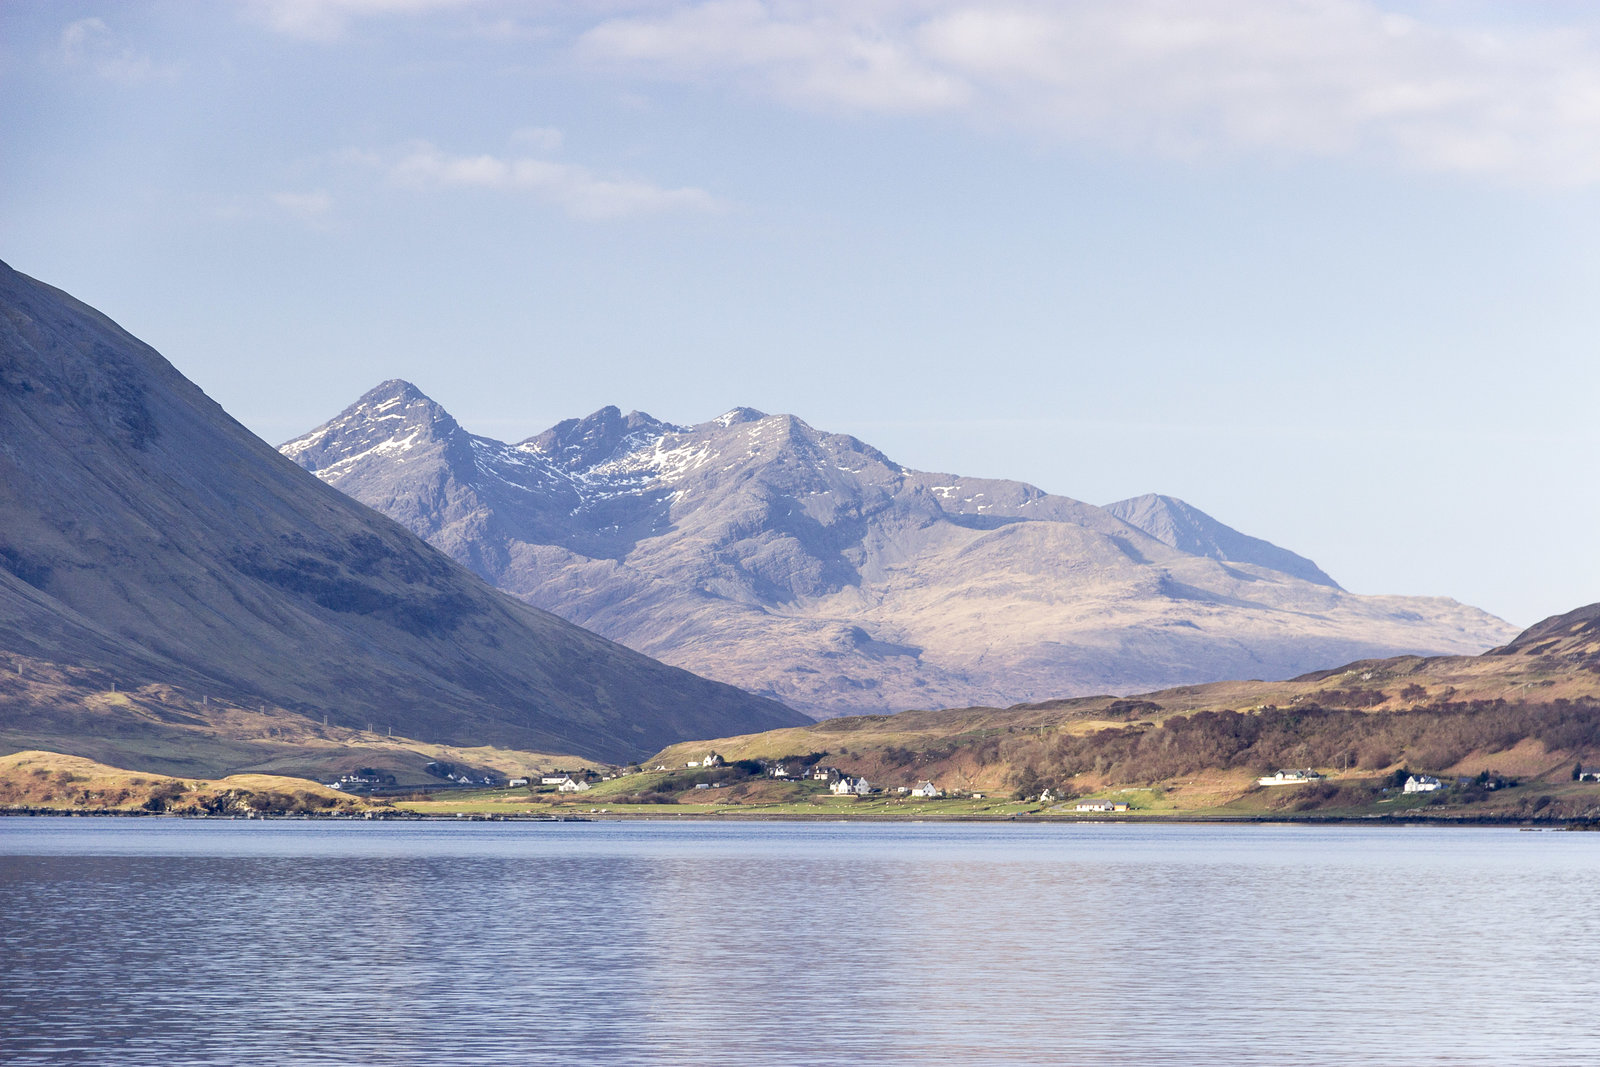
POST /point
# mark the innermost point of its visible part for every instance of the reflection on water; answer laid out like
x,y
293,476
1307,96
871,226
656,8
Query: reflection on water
x,y
173,942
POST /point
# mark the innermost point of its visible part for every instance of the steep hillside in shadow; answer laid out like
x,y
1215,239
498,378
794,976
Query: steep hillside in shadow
x,y
146,533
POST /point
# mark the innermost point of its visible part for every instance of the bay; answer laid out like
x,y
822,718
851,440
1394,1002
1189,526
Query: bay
x,y
163,941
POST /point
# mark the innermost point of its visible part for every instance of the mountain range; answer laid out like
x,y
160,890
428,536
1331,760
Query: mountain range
x,y
146,537
811,568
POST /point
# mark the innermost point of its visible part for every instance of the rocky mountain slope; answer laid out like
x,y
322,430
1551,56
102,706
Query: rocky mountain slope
x,y
1188,529
147,535
810,567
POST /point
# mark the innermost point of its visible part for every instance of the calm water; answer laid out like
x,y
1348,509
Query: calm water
x,y
175,942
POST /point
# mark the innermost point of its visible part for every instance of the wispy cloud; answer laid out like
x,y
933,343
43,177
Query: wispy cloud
x,y
576,189
1175,77
89,44
828,54
327,20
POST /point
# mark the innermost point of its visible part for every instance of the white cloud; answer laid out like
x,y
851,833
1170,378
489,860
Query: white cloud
x,y
327,20
576,189
1177,77
89,44
830,55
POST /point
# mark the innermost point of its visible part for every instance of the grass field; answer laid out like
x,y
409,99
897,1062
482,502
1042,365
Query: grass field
x,y
1201,799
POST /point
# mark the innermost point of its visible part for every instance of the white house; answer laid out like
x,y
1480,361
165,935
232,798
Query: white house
x,y
1422,783
713,760
573,785
778,770
1046,797
926,789
1290,778
851,787
554,779
1094,805
516,782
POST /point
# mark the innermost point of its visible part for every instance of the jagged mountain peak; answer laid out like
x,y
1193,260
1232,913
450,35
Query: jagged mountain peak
x,y
577,444
399,399
1185,527
784,437
735,417
394,416
392,389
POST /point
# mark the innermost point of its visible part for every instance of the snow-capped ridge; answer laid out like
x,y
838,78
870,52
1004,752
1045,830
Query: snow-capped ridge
x,y
735,417
394,417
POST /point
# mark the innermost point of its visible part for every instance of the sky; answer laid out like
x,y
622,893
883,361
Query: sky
x,y
1329,270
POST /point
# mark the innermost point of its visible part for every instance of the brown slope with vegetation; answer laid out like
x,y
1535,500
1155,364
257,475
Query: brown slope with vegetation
x,y
146,535
1529,709
48,782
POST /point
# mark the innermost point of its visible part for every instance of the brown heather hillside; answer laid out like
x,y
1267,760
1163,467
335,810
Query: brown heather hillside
x,y
50,781
1529,710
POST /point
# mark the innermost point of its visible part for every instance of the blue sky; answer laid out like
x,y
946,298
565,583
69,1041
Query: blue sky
x,y
1327,269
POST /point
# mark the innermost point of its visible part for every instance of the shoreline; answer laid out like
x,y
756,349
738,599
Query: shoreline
x,y
1379,820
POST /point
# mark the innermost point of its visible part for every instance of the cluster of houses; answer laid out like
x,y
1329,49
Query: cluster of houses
x,y
1427,783
842,784
846,786
1415,783
359,782
839,782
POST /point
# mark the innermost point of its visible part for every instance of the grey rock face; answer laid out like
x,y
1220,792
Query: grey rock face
x,y
145,532
811,567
